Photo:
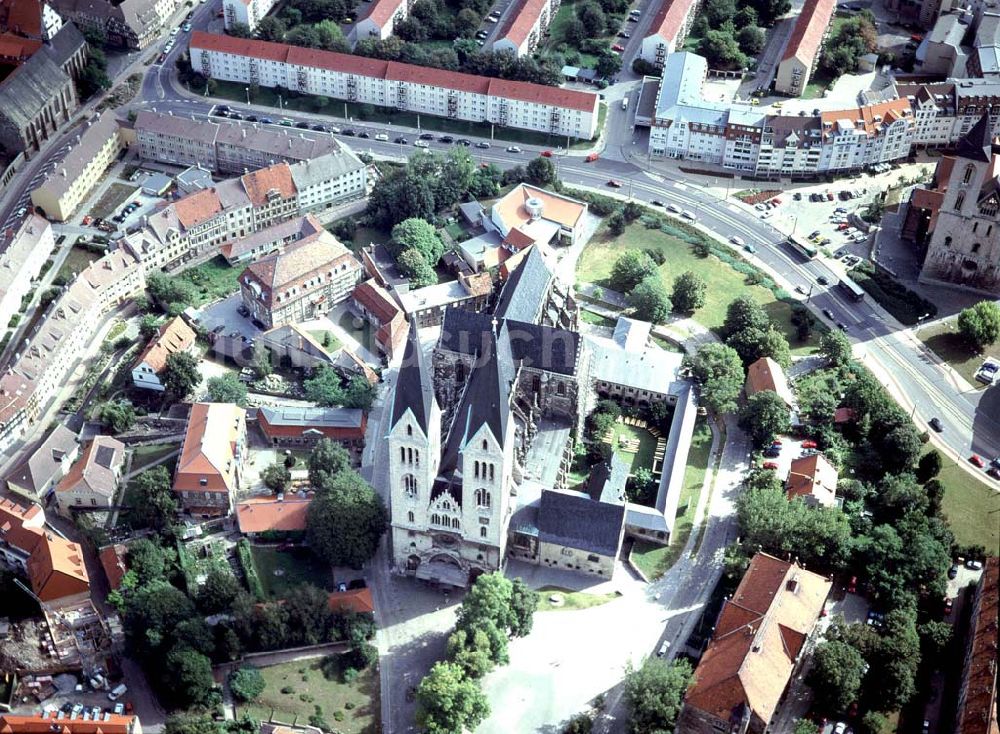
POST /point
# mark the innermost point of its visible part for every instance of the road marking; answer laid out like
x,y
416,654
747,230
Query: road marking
x,y
679,185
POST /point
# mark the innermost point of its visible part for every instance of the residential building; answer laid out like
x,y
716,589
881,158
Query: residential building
x,y
957,217
300,282
210,466
813,479
579,533
527,214
260,243
294,345
524,26
803,49
92,480
426,306
193,179
30,19
977,699
272,515
934,112
40,470
921,12
298,427
112,559
21,259
18,407
766,374
173,337
131,24
756,649
380,20
93,152
378,308
940,54
54,566
668,30
43,724
247,12
230,146
405,87
328,179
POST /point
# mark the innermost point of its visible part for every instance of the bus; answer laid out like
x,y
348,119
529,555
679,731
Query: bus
x,y
854,291
801,246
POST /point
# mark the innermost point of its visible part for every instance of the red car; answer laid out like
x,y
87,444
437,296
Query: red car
x,y
948,604
776,201
776,442
770,465
592,157
852,585
829,196
618,47
87,220
976,461
546,154
615,184
809,445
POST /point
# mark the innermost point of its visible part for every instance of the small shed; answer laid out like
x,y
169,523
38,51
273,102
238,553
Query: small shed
x,y
157,184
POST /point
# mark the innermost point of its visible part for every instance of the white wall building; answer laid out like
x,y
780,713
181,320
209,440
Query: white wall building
x,y
668,30
401,86
526,23
20,263
248,12
381,19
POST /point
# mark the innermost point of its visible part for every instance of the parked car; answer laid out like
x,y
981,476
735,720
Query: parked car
x,y
823,280
617,47
513,149
770,465
953,572
426,136
614,183
482,144
852,585
664,647
446,139
673,208
736,240
810,444
400,140
689,216
422,144
936,424
546,154
749,248
976,461
364,134
380,136
973,565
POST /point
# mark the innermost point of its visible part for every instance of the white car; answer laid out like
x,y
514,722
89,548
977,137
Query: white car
x,y
988,372
421,144
737,240
513,149
673,208
382,136
174,31
689,215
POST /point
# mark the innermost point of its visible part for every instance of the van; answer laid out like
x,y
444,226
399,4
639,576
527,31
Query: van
x,y
382,136
624,103
117,692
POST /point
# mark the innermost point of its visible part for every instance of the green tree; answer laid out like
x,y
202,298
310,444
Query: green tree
x,y
180,375
246,683
260,361
574,32
152,612
743,314
239,30
227,388
872,723
191,723
764,416
722,50
117,416
323,387
359,394
216,595
752,344
419,235
804,726
929,466
415,267
523,602
541,171
651,300
751,40
593,19
172,294
472,651
190,677
617,223
153,504
271,28
836,675
148,560
276,477
346,520
718,369
655,693
689,292
149,326
979,325
836,347
608,64
720,12
448,702
309,617
630,269
326,460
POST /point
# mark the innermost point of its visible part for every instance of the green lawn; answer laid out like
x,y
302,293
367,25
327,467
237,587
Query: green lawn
x,y
906,306
724,283
570,599
212,280
143,456
281,571
647,445
321,335
386,115
654,560
113,197
665,344
77,260
596,319
972,507
943,339
316,687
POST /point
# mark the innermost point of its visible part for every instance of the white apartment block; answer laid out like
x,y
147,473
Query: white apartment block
x,y
380,20
401,86
248,12
668,30
739,137
21,260
526,23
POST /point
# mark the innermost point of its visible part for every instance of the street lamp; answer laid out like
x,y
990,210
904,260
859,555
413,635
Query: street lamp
x,y
248,94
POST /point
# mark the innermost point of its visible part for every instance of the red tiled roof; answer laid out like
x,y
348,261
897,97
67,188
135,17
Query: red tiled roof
x,y
376,300
113,562
807,35
261,514
56,569
521,18
197,208
23,16
392,333
381,12
335,433
410,73
260,183
977,713
358,601
669,19
173,336
42,724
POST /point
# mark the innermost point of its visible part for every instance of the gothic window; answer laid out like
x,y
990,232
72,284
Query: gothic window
x,y
483,498
975,247
975,226
409,430
947,241
486,445
491,472
482,532
536,384
476,469
454,522
410,486
561,388
402,454
970,171
416,455
989,230
460,372
410,517
959,201
435,519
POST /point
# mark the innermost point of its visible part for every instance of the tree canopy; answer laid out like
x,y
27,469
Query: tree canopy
x,y
689,292
448,702
719,371
630,269
650,299
655,693
227,388
979,324
346,520
180,375
764,417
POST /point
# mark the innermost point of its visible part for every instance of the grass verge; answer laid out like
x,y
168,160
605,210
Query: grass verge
x,y
970,506
570,599
113,197
654,560
281,571
905,306
944,340
145,456
299,690
212,280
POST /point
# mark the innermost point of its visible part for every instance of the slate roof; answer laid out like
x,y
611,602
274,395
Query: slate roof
x,y
524,292
30,87
66,43
42,465
577,521
485,401
414,389
977,145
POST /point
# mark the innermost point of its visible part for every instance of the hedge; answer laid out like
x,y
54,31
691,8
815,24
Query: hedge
x,y
249,569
